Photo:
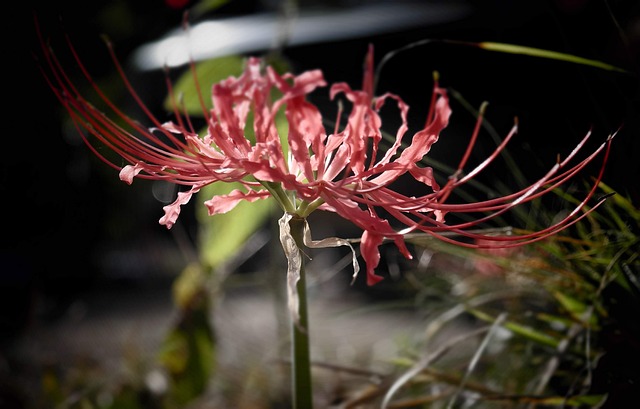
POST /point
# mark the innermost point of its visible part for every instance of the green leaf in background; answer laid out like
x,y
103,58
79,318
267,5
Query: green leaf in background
x,y
208,73
623,203
188,352
189,285
223,235
576,308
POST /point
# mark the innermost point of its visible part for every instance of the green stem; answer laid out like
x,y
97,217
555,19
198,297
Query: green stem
x,y
300,354
279,195
306,208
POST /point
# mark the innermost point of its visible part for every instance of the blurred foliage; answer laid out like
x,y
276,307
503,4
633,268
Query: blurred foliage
x,y
554,307
193,88
531,328
188,351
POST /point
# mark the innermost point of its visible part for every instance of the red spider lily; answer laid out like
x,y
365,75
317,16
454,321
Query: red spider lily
x,y
342,170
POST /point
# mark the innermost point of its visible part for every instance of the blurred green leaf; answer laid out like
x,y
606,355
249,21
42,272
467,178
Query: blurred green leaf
x,y
554,319
576,308
189,285
518,329
188,352
188,89
223,235
187,94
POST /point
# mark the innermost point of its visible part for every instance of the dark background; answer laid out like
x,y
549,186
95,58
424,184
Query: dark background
x,y
62,203
63,208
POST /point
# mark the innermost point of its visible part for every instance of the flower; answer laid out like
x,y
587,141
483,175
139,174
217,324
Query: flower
x,y
342,170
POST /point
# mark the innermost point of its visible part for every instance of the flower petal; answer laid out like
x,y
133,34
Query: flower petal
x,y
128,172
224,203
371,255
172,211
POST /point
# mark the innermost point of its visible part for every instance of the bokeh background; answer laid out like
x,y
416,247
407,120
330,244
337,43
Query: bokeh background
x,y
81,250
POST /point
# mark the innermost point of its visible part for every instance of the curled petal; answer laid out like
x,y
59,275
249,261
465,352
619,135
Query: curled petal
x,y
425,175
224,203
330,242
172,211
128,172
369,249
376,229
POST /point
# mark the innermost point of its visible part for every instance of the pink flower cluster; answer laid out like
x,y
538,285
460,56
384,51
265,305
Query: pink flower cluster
x,y
343,170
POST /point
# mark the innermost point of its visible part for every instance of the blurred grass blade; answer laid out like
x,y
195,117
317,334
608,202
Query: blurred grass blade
x,y
553,55
476,358
582,401
518,329
621,201
426,361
